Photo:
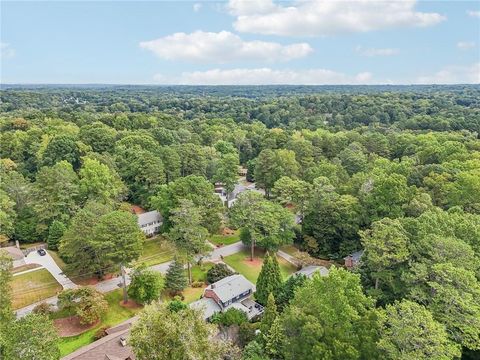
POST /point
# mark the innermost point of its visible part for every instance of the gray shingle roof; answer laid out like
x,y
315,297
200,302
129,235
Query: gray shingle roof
x,y
308,271
231,286
207,305
148,217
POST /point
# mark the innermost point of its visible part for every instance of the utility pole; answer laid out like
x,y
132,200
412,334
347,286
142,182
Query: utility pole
x,y
124,284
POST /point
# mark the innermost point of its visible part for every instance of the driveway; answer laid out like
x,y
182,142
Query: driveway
x,y
48,263
225,251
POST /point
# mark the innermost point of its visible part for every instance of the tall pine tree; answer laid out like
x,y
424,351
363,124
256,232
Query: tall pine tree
x,y
269,316
269,279
175,279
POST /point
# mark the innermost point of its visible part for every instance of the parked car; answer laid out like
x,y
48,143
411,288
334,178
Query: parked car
x,y
41,252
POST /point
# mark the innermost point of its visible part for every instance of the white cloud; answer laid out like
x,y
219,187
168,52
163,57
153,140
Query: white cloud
x,y
327,17
465,45
264,76
222,47
6,51
370,52
453,75
197,7
473,13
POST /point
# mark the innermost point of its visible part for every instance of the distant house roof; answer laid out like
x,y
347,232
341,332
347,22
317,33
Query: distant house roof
x,y
355,256
148,217
310,270
207,305
231,286
14,252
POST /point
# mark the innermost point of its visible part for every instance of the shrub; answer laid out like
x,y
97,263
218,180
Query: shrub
x,y
43,309
218,272
100,333
88,303
230,317
198,284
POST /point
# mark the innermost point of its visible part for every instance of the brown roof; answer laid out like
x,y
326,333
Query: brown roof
x,y
108,347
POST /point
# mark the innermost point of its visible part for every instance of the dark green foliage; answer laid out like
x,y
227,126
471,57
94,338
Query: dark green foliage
x,y
218,272
230,317
176,305
62,147
55,232
287,291
175,279
269,280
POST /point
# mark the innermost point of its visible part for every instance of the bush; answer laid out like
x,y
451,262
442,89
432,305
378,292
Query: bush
x,y
246,332
230,317
43,309
176,305
88,303
218,272
100,333
198,284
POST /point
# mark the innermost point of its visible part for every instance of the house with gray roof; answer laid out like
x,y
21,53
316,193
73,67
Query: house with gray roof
x,y
234,291
353,260
150,222
310,270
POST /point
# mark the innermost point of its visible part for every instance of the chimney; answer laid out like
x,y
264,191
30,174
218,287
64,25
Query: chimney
x,y
212,286
123,341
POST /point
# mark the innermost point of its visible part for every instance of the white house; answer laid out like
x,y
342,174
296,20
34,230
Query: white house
x,y
150,222
231,292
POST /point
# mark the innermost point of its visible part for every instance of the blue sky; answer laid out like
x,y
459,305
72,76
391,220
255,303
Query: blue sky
x,y
240,42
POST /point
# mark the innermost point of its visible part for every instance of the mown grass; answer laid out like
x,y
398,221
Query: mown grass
x,y
115,315
32,287
156,250
251,269
225,239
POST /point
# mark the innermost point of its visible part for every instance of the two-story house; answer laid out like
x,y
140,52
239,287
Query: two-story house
x,y
150,222
234,291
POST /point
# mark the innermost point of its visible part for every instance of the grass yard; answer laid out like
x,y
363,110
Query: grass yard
x,y
290,249
25,268
251,269
225,239
32,287
115,315
199,272
156,250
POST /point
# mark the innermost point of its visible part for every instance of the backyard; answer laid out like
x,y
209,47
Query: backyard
x,y
251,269
220,239
32,287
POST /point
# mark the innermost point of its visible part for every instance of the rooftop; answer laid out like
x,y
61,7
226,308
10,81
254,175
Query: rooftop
x,y
230,287
207,305
310,270
148,217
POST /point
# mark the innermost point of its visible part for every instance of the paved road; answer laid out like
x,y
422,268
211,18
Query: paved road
x,y
114,283
48,263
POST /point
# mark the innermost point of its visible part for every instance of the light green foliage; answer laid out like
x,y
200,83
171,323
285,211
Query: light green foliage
x,y
227,171
7,216
56,193
86,302
330,318
291,191
99,183
162,334
271,165
6,314
408,331
196,189
269,279
269,316
386,245
274,340
253,351
99,136
146,285
353,158
269,225
32,337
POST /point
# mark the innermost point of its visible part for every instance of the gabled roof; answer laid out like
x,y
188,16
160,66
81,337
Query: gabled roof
x,y
207,305
148,217
231,286
310,270
356,255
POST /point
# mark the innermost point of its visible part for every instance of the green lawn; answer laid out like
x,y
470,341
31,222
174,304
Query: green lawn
x,y
199,272
25,268
225,239
32,287
156,251
115,315
251,269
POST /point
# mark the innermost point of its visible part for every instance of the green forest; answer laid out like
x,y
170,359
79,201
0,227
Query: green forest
x,y
390,170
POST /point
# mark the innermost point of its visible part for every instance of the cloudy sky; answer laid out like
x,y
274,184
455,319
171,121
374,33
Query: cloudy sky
x,y
240,42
